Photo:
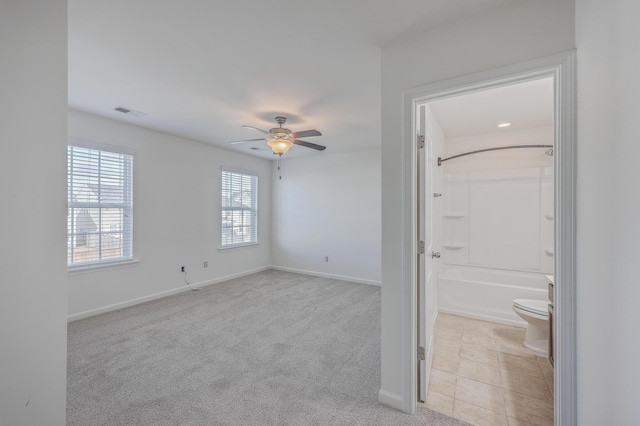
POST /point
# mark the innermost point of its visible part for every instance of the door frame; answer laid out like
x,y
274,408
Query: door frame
x,y
562,68
424,263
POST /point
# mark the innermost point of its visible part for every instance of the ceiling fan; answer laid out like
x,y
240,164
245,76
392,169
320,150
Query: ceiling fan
x,y
281,139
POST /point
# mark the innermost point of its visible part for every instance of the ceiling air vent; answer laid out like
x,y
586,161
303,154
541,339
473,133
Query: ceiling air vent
x,y
129,111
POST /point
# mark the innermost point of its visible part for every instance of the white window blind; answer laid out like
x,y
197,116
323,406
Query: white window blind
x,y
239,208
100,206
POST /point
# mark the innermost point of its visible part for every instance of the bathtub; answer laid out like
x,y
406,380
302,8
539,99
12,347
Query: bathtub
x,y
487,294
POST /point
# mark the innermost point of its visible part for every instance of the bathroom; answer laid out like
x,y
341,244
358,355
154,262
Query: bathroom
x,y
491,171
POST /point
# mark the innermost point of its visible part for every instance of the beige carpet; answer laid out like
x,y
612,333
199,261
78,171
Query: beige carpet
x,y
273,348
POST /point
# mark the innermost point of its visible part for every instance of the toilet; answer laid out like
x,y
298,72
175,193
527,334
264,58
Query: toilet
x,y
536,314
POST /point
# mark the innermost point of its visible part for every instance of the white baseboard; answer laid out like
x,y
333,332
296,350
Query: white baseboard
x,y
325,275
391,399
148,298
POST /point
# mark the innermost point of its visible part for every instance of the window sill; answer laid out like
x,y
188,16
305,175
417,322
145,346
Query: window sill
x,y
97,267
238,246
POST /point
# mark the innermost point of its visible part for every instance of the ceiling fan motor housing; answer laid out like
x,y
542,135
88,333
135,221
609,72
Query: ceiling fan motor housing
x,y
280,131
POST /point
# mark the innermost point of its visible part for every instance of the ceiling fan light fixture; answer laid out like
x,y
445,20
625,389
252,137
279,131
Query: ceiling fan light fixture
x,y
280,146
280,139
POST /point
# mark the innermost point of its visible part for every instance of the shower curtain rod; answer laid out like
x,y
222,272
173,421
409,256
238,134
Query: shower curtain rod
x,y
442,160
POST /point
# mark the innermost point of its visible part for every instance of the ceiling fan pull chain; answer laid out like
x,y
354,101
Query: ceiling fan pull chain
x,y
279,160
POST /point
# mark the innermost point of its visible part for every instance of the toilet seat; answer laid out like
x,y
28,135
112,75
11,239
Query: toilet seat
x,y
538,307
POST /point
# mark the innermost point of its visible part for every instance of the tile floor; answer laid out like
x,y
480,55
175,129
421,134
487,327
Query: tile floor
x,y
482,374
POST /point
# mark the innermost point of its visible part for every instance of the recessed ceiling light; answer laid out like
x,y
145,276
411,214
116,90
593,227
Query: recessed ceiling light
x,y
504,124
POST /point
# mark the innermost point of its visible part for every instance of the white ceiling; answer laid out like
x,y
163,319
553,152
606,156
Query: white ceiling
x,y
524,105
201,69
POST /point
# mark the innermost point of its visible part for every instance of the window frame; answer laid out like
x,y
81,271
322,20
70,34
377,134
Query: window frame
x,y
127,206
253,209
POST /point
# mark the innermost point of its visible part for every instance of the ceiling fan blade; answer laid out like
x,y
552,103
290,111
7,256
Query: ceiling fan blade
x,y
246,140
309,145
255,128
306,133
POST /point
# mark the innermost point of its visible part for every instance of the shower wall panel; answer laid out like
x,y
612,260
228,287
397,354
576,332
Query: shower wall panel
x,y
499,219
504,225
497,241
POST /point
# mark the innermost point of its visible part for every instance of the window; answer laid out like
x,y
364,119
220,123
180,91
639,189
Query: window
x,y
100,206
239,208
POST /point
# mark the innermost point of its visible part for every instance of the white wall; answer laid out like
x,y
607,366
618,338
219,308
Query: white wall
x,y
501,37
328,205
176,216
33,288
608,227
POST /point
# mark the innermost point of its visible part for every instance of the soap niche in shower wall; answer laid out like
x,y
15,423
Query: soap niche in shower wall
x,y
453,246
454,215
455,218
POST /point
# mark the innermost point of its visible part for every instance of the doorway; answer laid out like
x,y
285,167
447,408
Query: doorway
x,y
490,156
560,70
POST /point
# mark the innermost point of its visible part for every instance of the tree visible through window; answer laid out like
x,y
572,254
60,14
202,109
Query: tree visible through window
x,y
100,206
239,208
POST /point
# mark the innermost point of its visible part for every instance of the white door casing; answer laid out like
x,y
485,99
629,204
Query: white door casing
x,y
562,68
427,263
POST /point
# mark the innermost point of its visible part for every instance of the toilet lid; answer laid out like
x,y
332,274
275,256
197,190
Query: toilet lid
x,y
539,307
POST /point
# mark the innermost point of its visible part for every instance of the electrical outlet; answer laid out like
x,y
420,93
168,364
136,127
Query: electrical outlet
x,y
182,269
326,258
206,264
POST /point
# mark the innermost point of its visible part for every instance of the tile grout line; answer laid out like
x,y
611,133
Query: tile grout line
x,y
475,333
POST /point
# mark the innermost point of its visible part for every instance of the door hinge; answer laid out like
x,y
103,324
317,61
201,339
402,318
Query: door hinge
x,y
421,356
437,194
420,247
420,141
